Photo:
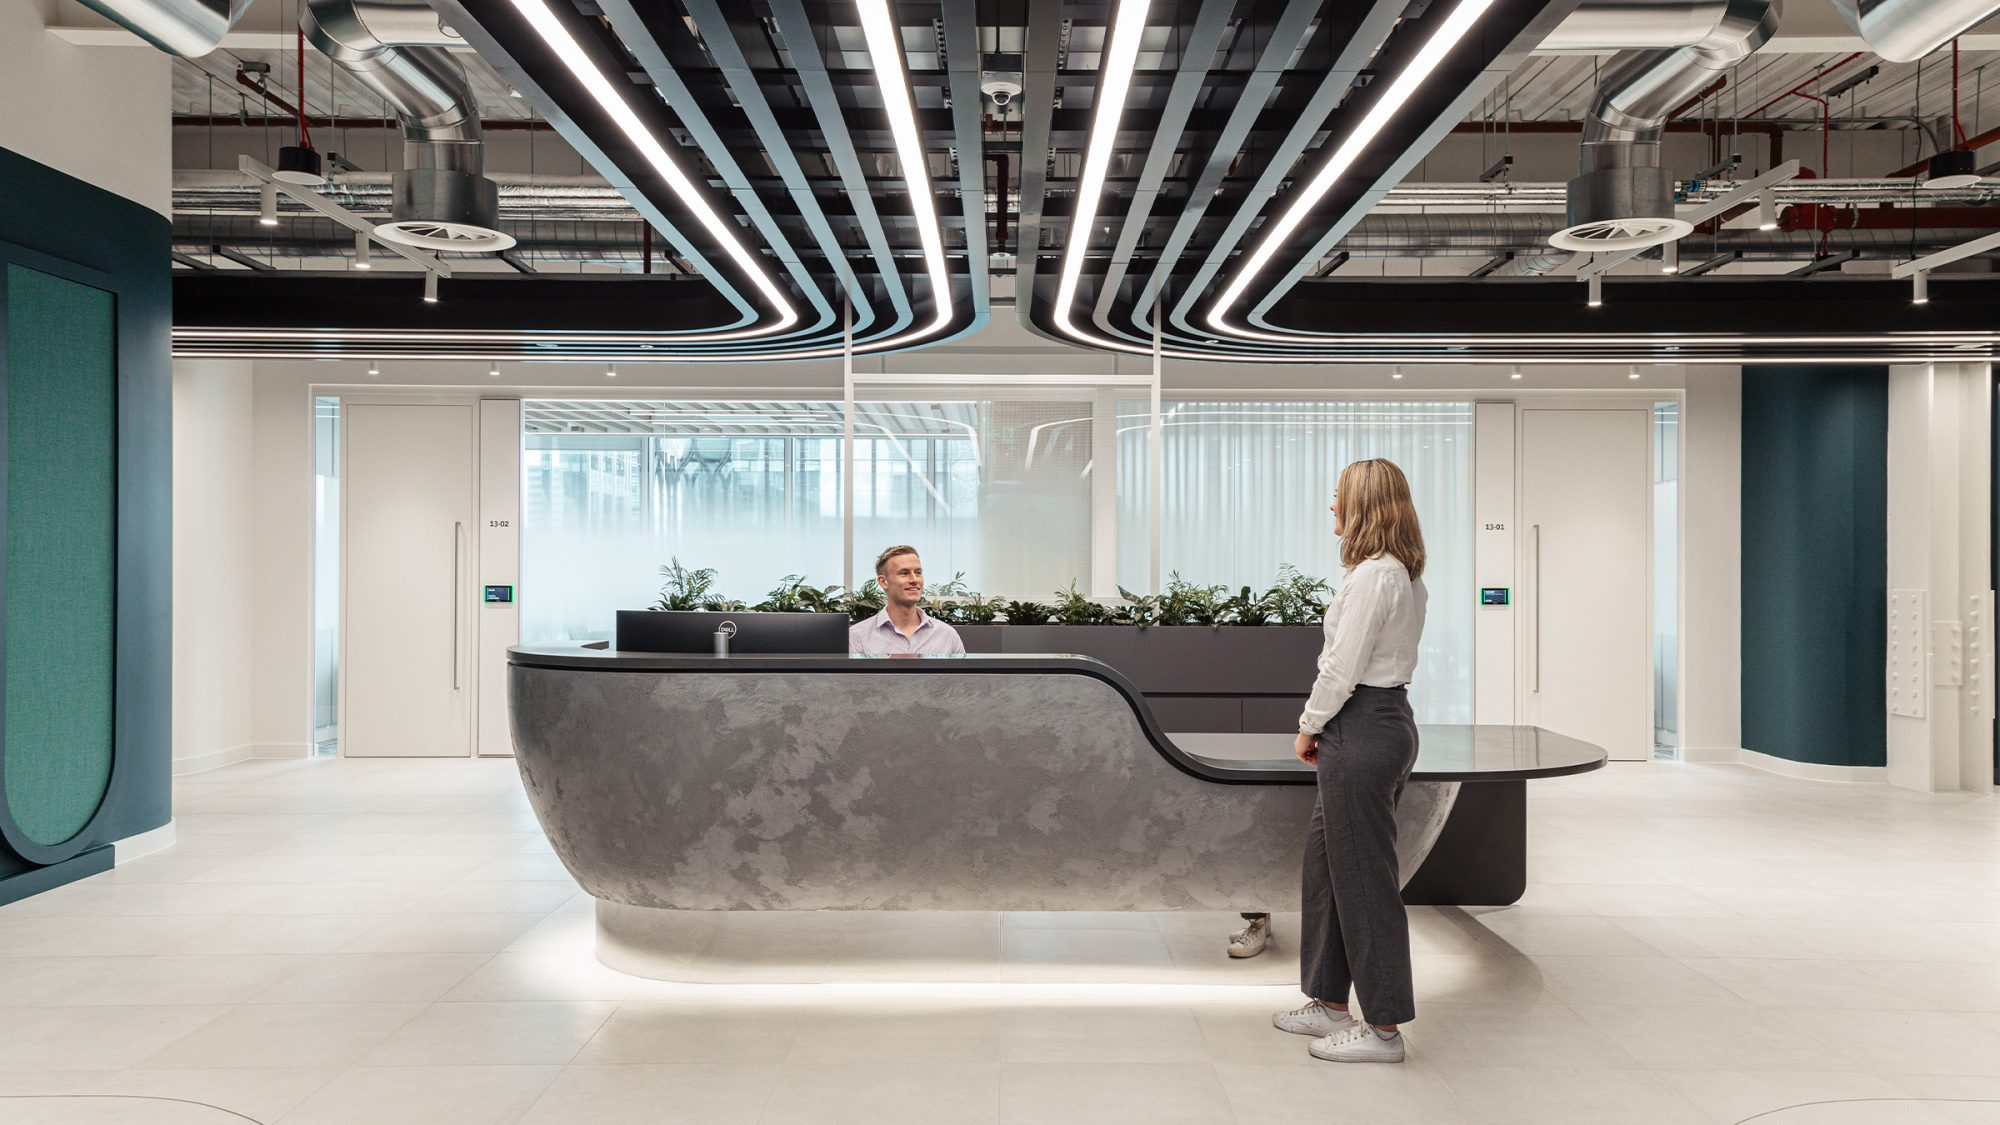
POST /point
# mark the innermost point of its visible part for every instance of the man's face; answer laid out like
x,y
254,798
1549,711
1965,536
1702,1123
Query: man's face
x,y
903,580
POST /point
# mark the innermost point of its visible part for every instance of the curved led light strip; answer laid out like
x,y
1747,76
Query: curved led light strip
x,y
885,53
1455,27
1114,71
572,56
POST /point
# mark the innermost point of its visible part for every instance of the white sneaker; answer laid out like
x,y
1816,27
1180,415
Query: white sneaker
x,y
1358,1043
1314,1019
1251,939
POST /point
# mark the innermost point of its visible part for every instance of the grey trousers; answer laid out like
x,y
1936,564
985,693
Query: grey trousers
x,y
1355,932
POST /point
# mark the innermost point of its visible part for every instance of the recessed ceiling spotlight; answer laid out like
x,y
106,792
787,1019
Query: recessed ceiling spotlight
x,y
494,370
361,261
611,372
374,368
1396,372
1632,371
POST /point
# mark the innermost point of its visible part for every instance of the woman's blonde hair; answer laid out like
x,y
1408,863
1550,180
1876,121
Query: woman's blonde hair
x,y
1379,516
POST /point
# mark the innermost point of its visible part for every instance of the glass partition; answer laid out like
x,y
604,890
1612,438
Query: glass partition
x,y
1245,489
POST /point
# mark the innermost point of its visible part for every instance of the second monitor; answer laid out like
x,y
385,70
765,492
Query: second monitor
x,y
693,631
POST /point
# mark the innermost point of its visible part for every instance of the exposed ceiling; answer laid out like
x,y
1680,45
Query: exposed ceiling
x,y
1203,160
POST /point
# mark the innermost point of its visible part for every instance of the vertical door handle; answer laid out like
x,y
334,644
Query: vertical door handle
x,y
457,532
1536,672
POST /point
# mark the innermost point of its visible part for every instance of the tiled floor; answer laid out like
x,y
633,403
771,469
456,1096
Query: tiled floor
x,y
386,942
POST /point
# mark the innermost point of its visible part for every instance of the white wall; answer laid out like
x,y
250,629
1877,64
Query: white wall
x,y
1711,489
281,562
213,518
100,114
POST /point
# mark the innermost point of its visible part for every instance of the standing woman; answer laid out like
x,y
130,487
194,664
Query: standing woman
x,y
1358,730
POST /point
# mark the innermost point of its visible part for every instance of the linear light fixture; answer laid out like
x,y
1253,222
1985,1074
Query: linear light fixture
x,y
572,55
1121,54
1433,52
885,54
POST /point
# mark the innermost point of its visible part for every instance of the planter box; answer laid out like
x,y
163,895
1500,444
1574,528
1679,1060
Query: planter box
x,y
1195,678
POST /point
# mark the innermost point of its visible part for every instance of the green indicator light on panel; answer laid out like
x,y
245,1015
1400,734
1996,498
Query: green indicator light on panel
x,y
1493,595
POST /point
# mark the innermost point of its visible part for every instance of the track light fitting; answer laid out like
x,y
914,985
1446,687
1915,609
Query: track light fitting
x,y
267,205
361,261
1595,290
430,288
1920,287
1767,212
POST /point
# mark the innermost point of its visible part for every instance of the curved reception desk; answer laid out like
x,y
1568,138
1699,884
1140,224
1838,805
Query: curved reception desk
x,y
671,784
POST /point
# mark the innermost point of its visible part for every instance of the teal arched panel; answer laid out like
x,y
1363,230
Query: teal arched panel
x,y
60,587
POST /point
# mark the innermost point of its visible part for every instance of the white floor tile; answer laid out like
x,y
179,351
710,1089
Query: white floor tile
x,y
506,1034
662,1094
1150,1092
378,977
259,1094
890,1091
282,1035
1557,1096
426,1095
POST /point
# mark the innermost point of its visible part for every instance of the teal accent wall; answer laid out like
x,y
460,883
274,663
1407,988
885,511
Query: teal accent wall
x,y
61,533
1815,560
86,521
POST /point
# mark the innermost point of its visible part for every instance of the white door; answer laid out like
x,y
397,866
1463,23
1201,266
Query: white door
x,y
1586,491
406,599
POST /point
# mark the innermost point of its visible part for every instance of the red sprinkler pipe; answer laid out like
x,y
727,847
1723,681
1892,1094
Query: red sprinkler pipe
x,y
305,137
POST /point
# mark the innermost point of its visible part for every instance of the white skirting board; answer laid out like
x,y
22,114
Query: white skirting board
x,y
144,844
202,763
1785,767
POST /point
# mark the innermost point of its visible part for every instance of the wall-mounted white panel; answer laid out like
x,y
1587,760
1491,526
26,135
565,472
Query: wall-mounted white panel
x,y
498,586
1493,510
1907,688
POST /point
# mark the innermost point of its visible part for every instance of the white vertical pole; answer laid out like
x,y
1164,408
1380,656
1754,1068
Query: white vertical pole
x,y
847,443
1104,493
1156,451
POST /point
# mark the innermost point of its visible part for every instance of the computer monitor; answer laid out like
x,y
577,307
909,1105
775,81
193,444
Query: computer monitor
x,y
693,631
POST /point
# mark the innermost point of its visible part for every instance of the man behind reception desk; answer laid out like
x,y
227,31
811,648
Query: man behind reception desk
x,y
902,626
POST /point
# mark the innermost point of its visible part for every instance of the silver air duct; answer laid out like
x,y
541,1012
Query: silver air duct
x,y
1907,30
188,28
1622,199
1634,25
441,200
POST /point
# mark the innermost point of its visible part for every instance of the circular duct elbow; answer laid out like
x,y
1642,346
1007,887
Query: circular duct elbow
x,y
1624,208
443,209
188,28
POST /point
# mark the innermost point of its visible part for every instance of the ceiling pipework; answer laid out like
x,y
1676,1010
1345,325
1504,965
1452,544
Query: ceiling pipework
x,y
188,28
1907,30
442,199
1622,199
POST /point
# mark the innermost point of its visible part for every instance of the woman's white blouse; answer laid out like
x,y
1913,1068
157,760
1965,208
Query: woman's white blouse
x,y
1372,629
